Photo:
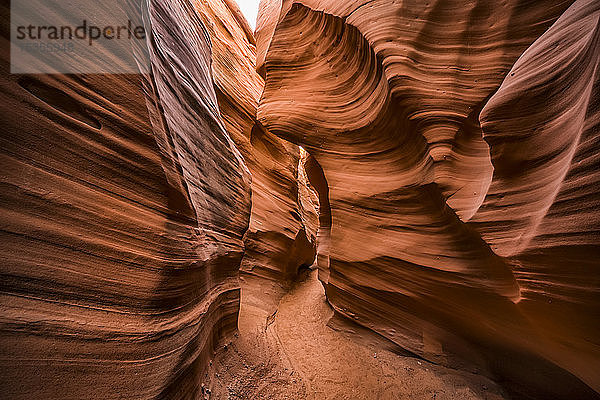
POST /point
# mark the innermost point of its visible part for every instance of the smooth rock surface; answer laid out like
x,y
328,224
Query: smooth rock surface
x,y
468,237
124,203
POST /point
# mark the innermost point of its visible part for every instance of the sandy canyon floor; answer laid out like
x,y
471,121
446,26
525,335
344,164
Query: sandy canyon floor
x,y
294,353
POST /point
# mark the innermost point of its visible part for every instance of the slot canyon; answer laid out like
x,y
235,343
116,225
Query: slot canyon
x,y
357,199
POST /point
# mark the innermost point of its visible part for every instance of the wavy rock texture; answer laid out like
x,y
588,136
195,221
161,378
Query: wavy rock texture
x,y
465,236
124,203
541,210
277,242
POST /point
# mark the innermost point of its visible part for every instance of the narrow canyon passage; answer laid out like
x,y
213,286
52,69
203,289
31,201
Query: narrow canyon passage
x,y
294,354
361,200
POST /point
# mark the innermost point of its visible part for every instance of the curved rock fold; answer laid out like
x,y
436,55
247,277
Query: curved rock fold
x,y
456,183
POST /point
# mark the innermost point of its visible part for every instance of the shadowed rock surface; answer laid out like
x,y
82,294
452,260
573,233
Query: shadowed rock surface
x,y
124,203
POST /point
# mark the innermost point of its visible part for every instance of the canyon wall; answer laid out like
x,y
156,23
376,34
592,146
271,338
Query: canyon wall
x,y
454,147
277,242
124,203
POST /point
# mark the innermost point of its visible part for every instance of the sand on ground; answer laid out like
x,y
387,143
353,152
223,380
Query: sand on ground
x,y
294,354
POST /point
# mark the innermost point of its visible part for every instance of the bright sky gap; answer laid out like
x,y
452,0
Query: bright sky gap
x,y
250,10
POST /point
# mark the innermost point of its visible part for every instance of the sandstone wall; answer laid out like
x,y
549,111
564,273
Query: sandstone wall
x,y
277,242
465,236
124,203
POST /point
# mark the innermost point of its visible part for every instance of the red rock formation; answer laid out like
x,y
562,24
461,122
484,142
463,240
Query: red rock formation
x,y
387,97
276,242
541,210
124,203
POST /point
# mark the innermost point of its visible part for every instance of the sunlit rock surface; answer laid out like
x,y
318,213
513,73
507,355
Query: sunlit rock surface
x,y
458,149
124,203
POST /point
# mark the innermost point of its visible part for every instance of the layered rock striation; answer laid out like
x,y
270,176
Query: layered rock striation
x,y
124,204
463,206
278,241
